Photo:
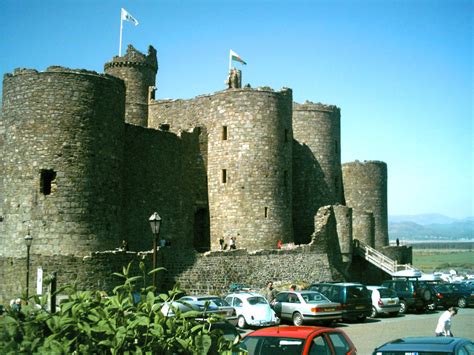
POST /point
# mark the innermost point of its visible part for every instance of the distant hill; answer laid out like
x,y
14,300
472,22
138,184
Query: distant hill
x,y
430,227
423,219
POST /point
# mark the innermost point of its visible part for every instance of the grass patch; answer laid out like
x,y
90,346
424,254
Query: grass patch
x,y
429,261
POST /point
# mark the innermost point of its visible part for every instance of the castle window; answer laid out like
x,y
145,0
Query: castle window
x,y
46,180
266,212
286,135
165,127
336,184
224,176
224,133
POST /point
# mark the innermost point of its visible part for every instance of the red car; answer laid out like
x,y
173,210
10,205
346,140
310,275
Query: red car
x,y
298,340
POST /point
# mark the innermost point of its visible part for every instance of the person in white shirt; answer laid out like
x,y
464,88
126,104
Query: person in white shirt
x,y
444,323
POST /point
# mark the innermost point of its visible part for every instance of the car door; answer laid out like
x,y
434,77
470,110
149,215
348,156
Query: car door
x,y
319,346
280,305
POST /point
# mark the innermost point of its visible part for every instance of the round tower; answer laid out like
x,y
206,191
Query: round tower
x,y
363,227
249,168
317,178
365,188
343,216
62,161
139,73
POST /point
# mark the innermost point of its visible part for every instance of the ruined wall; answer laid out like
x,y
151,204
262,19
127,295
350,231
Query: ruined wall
x,y
365,188
138,71
62,161
317,179
402,254
155,179
363,227
343,216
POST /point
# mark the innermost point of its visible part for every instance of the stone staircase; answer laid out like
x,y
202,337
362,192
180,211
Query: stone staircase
x,y
380,260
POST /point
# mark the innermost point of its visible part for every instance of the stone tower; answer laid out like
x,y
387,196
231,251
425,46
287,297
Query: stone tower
x,y
363,227
249,167
365,189
317,178
139,73
62,158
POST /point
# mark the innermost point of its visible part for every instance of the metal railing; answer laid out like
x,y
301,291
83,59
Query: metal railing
x,y
378,259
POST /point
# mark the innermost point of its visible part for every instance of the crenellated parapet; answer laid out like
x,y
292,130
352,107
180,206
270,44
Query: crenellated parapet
x,y
138,71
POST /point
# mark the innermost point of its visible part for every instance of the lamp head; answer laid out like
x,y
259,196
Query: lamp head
x,y
155,223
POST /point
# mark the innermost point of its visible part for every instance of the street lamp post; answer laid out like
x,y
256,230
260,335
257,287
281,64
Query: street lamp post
x,y
28,241
155,223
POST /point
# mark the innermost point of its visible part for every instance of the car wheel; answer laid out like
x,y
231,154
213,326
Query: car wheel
x,y
241,323
373,314
462,302
361,318
297,319
403,307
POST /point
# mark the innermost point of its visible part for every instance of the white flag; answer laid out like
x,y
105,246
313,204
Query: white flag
x,y
127,17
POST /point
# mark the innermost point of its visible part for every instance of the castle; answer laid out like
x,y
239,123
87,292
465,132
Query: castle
x,y
88,157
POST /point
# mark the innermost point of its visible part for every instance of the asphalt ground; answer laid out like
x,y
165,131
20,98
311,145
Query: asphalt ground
x,y
377,331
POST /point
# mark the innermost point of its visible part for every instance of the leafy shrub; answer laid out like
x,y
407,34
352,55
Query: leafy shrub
x,y
91,323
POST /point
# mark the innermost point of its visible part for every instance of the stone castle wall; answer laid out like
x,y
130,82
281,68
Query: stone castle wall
x,y
248,135
156,178
365,189
62,161
343,216
363,227
317,177
196,273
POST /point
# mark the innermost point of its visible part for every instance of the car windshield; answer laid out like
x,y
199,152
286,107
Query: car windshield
x,y
216,300
256,300
313,297
273,345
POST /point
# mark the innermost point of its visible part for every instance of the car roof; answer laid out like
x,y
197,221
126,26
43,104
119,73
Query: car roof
x,y
201,296
438,344
289,331
244,294
338,283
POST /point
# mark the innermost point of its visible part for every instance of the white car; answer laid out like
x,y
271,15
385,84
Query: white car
x,y
223,308
384,301
252,309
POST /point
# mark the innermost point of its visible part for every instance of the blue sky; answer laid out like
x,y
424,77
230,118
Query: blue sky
x,y
401,71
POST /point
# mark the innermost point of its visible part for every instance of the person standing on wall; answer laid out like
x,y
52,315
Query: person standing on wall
x,y
443,328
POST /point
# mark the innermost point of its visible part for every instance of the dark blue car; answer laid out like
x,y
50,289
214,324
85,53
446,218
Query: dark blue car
x,y
426,346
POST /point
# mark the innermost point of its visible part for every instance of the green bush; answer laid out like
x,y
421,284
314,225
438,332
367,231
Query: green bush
x,y
91,323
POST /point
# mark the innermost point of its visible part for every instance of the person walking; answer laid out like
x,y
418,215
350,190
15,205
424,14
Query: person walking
x,y
443,328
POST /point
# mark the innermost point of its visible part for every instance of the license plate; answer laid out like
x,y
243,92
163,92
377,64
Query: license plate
x,y
391,302
360,307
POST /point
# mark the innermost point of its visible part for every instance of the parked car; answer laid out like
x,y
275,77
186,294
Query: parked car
x,y
252,309
443,296
384,301
298,340
427,345
353,297
306,306
464,294
413,294
223,308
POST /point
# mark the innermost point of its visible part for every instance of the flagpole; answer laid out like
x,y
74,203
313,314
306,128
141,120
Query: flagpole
x,y
121,28
230,61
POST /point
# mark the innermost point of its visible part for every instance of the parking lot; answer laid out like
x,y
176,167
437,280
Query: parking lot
x,y
374,332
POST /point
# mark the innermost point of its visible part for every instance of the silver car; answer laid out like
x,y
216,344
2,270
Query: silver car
x,y
223,308
306,306
384,301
